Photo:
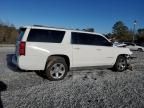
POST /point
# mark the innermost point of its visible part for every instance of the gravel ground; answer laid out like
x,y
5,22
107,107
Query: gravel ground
x,y
95,88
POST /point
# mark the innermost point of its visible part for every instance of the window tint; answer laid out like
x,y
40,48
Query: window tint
x,y
38,35
81,38
99,40
89,39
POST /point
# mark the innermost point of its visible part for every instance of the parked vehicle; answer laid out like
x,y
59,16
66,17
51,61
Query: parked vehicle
x,y
58,50
134,47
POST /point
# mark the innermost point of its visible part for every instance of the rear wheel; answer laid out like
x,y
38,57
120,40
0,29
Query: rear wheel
x,y
56,68
121,64
140,50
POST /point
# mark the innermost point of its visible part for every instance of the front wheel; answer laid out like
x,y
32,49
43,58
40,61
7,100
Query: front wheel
x,y
56,68
121,64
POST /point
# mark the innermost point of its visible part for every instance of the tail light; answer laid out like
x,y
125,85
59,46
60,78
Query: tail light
x,y
22,48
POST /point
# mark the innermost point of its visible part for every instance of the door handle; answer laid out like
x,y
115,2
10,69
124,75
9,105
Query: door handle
x,y
77,48
98,49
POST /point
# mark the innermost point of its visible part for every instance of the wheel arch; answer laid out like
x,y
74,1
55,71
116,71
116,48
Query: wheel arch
x,y
66,58
124,55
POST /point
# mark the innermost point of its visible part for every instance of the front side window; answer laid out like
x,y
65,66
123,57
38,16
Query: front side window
x,y
101,41
39,35
89,39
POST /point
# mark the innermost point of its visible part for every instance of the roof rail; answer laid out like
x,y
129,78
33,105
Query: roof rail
x,y
86,30
48,26
40,26
52,27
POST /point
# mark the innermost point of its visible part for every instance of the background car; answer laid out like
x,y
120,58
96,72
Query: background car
x,y
134,46
117,44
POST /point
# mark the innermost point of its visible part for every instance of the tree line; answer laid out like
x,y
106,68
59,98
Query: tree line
x,y
8,33
120,32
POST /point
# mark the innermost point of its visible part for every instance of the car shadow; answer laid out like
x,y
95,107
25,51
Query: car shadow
x,y
10,65
41,74
3,87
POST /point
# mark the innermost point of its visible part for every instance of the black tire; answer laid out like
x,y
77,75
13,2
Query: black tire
x,y
140,50
121,64
56,68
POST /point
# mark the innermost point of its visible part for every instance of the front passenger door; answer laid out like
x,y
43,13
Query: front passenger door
x,y
91,50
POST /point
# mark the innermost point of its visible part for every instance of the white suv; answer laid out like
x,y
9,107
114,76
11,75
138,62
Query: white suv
x,y
58,50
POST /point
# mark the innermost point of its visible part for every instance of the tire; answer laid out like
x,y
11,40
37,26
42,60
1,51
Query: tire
x,y
121,64
140,50
56,68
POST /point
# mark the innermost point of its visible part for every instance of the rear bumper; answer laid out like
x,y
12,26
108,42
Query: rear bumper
x,y
27,63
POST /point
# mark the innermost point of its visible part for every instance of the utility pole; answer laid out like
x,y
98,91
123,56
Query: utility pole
x,y
134,27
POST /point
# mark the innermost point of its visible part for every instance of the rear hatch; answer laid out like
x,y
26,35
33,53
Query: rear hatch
x,y
19,40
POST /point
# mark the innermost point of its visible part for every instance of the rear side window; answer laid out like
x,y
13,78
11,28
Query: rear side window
x,y
38,35
21,33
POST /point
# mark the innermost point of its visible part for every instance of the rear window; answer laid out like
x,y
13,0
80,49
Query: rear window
x,y
38,35
21,33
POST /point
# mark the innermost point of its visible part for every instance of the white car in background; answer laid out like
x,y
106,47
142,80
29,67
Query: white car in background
x,y
117,44
134,47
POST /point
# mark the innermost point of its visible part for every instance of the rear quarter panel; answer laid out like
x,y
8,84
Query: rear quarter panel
x,y
37,53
